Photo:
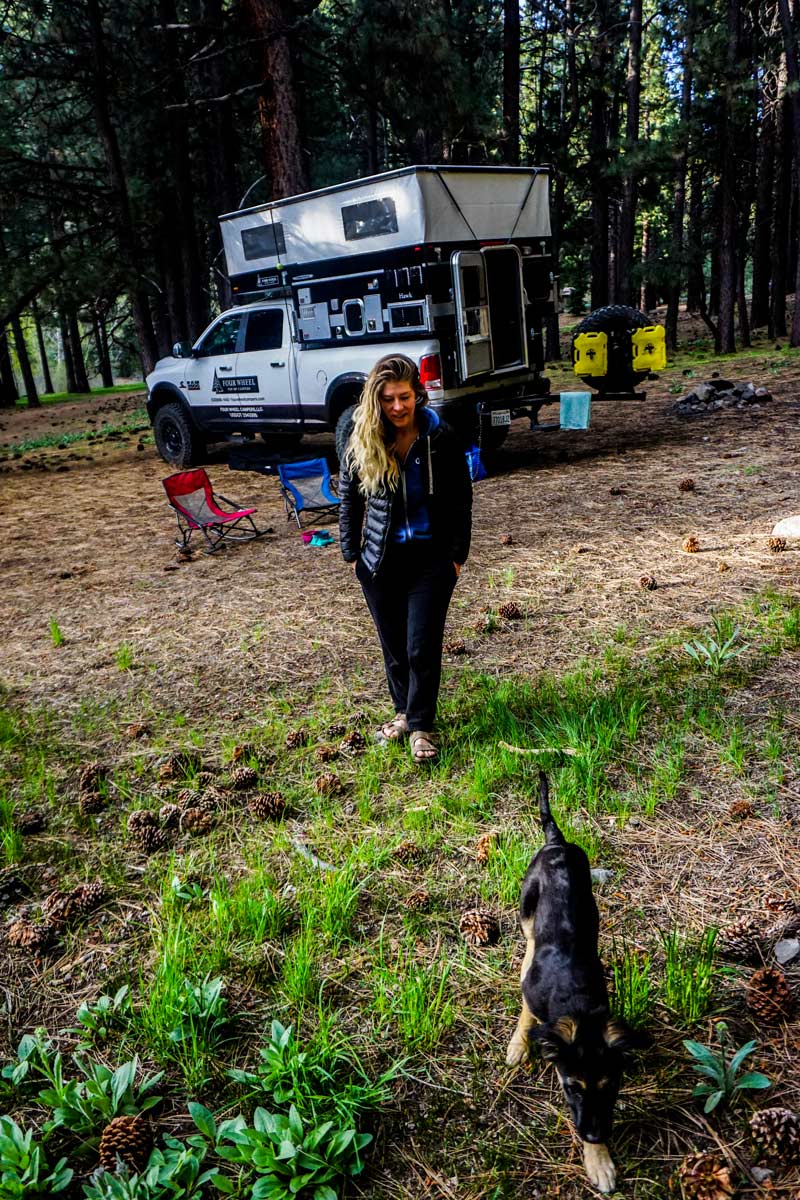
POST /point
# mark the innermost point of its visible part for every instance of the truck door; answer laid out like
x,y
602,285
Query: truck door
x,y
213,363
265,362
472,313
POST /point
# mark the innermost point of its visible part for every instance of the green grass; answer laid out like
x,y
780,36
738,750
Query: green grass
x,y
689,974
119,389
136,422
413,996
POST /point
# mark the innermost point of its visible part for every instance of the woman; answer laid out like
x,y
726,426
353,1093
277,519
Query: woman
x,y
405,521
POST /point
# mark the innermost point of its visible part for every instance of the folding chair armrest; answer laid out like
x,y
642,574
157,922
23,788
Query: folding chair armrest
x,y
232,503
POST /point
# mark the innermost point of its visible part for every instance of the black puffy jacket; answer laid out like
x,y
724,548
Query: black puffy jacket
x,y
364,523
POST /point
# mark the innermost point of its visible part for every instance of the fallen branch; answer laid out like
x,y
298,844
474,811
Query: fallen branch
x,y
311,856
541,750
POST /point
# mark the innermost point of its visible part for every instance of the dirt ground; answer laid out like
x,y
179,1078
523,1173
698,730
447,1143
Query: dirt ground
x,y
89,543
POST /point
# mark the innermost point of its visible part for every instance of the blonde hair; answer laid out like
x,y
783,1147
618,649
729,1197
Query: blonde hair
x,y
370,451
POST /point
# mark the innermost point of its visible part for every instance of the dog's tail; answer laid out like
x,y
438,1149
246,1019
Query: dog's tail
x,y
552,834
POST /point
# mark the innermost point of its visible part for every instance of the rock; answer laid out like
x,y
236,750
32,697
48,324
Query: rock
x,y
720,385
760,1174
703,392
786,950
787,527
602,875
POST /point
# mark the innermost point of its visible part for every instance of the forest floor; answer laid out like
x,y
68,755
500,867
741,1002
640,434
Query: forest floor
x,y
684,786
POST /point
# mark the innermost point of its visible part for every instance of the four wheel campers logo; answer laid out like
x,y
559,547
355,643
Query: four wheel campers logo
x,y
237,383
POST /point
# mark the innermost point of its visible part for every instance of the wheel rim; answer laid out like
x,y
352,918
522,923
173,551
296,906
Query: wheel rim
x,y
171,437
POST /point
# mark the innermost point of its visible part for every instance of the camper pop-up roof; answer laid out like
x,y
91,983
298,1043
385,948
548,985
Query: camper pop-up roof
x,y
410,207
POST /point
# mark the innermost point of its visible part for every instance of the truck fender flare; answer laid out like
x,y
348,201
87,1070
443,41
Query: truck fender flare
x,y
167,393
349,382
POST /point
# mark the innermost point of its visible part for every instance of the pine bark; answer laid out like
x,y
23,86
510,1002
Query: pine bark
x,y
759,308
726,342
66,348
278,111
598,159
679,211
9,393
793,77
627,219
47,380
780,219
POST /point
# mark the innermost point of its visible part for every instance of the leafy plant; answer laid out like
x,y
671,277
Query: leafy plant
x,y
203,1012
24,1169
715,652
689,973
56,635
33,1056
84,1106
124,656
323,1080
187,891
291,1158
104,1014
724,1082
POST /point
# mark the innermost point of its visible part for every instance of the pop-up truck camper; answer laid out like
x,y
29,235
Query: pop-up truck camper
x,y
452,266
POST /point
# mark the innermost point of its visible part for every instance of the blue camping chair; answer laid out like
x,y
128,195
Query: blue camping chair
x,y
307,487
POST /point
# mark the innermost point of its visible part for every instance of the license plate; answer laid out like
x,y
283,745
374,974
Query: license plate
x,y
501,416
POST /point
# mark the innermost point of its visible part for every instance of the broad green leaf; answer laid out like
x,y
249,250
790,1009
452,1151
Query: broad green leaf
x,y
754,1079
712,1101
204,1120
740,1055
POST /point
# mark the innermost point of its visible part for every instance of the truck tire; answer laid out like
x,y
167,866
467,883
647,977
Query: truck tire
x,y
344,427
177,440
616,321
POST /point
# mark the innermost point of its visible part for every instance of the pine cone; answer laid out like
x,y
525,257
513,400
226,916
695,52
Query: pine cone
x,y
128,1140
58,907
705,1177
296,738
196,820
741,941
204,779
776,1134
647,583
479,927
142,818
243,777
511,611
212,799
359,717
91,775
137,730
781,904
769,996
723,566
776,544
484,846
408,852
417,900
150,839
691,545
327,784
169,815
337,729
187,797
506,539
325,754
180,764
32,821
88,896
353,743
24,935
686,485
91,802
740,810
268,806
455,647
240,752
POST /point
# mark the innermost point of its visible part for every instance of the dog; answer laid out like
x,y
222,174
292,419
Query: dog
x,y
564,996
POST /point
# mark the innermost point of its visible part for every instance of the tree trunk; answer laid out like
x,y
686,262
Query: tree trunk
x,y
793,78
780,219
126,234
759,310
101,351
69,365
8,384
696,286
218,145
78,361
679,211
627,217
598,160
28,382
46,377
106,368
511,77
278,117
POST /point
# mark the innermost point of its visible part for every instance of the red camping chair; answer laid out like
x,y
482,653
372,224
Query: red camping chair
x,y
196,506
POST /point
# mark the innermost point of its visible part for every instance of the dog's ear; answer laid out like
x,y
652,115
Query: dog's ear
x,y
554,1037
618,1035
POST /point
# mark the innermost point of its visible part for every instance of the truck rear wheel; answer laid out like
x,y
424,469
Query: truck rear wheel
x,y
344,427
177,440
617,321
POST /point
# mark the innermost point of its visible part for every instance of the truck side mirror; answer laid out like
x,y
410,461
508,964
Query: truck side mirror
x,y
182,350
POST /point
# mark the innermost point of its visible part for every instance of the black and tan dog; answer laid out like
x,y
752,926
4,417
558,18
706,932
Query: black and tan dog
x,y
564,997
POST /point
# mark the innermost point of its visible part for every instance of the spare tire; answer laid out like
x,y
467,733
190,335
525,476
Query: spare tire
x,y
617,321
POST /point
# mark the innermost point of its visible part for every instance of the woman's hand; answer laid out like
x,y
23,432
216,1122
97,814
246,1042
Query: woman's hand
x,y
458,569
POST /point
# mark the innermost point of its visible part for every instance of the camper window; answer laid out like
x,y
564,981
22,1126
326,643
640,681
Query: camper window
x,y
264,330
372,218
353,311
263,241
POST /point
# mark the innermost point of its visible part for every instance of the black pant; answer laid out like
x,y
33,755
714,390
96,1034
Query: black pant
x,y
408,600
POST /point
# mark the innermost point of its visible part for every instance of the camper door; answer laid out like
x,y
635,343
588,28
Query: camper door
x,y
490,310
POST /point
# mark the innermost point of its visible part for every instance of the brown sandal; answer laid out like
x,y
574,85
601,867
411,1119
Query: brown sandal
x,y
392,731
423,748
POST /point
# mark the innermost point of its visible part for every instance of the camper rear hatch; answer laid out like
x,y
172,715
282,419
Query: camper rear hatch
x,y
490,311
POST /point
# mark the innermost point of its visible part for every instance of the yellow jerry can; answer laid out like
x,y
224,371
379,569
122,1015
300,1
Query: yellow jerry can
x,y
649,348
590,354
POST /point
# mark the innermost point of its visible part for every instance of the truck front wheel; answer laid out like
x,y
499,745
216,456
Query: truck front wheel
x,y
177,441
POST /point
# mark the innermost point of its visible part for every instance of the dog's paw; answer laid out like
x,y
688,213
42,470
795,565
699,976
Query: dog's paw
x,y
517,1051
599,1167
